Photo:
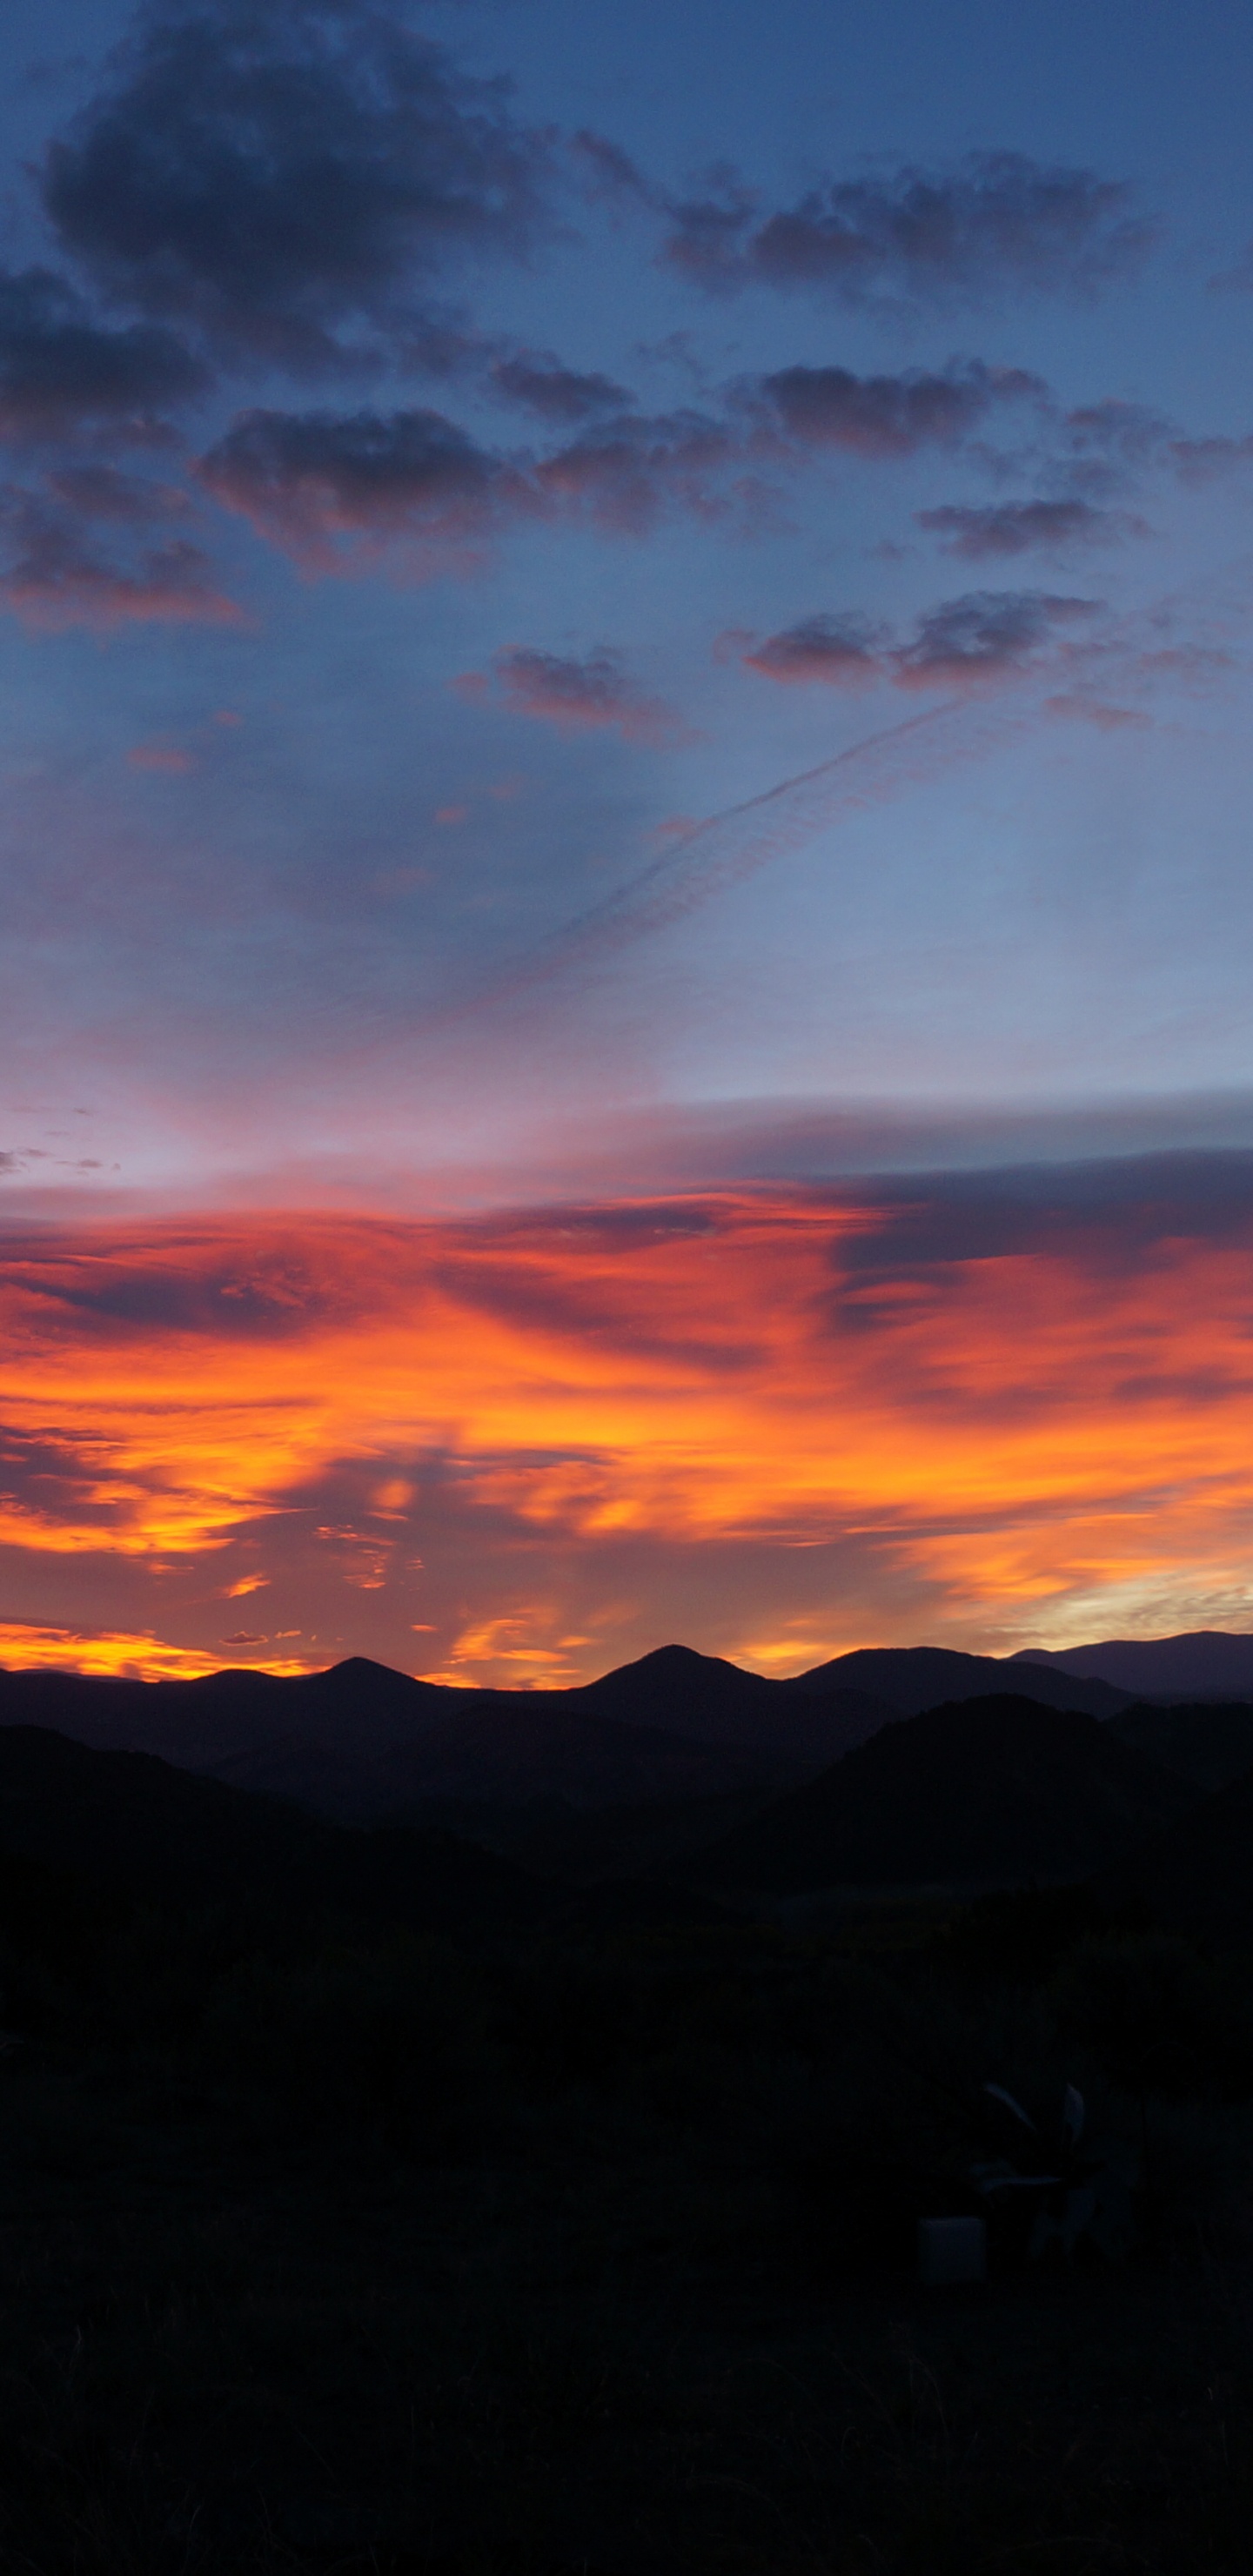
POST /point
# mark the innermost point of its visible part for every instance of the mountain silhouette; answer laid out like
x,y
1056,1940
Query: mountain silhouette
x,y
362,1743
911,1678
984,1792
1203,1663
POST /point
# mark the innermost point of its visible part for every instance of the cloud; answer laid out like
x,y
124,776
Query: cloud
x,y
1021,527
539,383
627,471
890,416
53,574
1203,460
1000,223
948,1396
328,485
985,635
844,651
271,171
311,480
982,636
60,367
100,492
577,695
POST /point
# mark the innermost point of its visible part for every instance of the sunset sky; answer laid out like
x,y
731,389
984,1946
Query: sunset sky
x,y
627,845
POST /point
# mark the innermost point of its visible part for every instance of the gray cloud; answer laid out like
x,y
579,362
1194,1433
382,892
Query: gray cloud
x,y
576,693
985,635
273,170
307,480
59,367
539,383
1000,222
625,471
887,416
844,651
982,635
54,573
1021,527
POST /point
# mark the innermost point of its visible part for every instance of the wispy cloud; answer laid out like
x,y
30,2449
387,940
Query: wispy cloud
x,y
1005,528
576,693
1000,222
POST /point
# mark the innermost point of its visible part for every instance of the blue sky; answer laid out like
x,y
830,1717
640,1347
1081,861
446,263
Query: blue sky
x,y
638,611
273,843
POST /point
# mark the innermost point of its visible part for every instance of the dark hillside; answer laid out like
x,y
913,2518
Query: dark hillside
x,y
978,1793
130,1822
1197,1874
1206,1741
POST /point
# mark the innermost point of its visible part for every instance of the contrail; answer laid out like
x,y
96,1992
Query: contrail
x,y
733,845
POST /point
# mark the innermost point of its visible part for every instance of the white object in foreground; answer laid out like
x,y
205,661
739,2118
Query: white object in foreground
x,y
951,2250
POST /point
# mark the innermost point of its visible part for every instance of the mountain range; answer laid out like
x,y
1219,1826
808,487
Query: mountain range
x,y
361,1790
361,1743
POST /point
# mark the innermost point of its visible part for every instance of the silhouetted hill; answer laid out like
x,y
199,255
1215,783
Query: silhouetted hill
x,y
985,1792
911,1678
1206,1741
131,1821
1203,1663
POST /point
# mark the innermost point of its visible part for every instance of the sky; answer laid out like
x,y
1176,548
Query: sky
x,y
626,649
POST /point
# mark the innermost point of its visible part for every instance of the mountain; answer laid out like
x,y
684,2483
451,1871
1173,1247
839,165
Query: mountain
x,y
363,1743
911,1678
1204,1663
129,1821
987,1792
1206,1741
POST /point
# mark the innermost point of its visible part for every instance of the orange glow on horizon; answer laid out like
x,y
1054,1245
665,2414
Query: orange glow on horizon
x,y
1047,1427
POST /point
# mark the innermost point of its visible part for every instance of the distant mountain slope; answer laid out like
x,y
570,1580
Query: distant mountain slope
x,y
1203,1663
985,1792
128,1820
911,1678
1206,1741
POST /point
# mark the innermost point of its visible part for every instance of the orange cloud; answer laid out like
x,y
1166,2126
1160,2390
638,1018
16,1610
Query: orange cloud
x,y
1044,1434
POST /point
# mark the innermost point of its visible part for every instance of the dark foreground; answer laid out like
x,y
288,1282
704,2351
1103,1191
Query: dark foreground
x,y
334,2247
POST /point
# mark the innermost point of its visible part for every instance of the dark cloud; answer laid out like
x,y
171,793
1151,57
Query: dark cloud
x,y
844,651
982,635
1020,527
986,635
886,416
58,367
1001,222
310,480
577,694
1204,460
540,384
626,471
272,170
607,171
1118,1208
54,573
1105,447
100,492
